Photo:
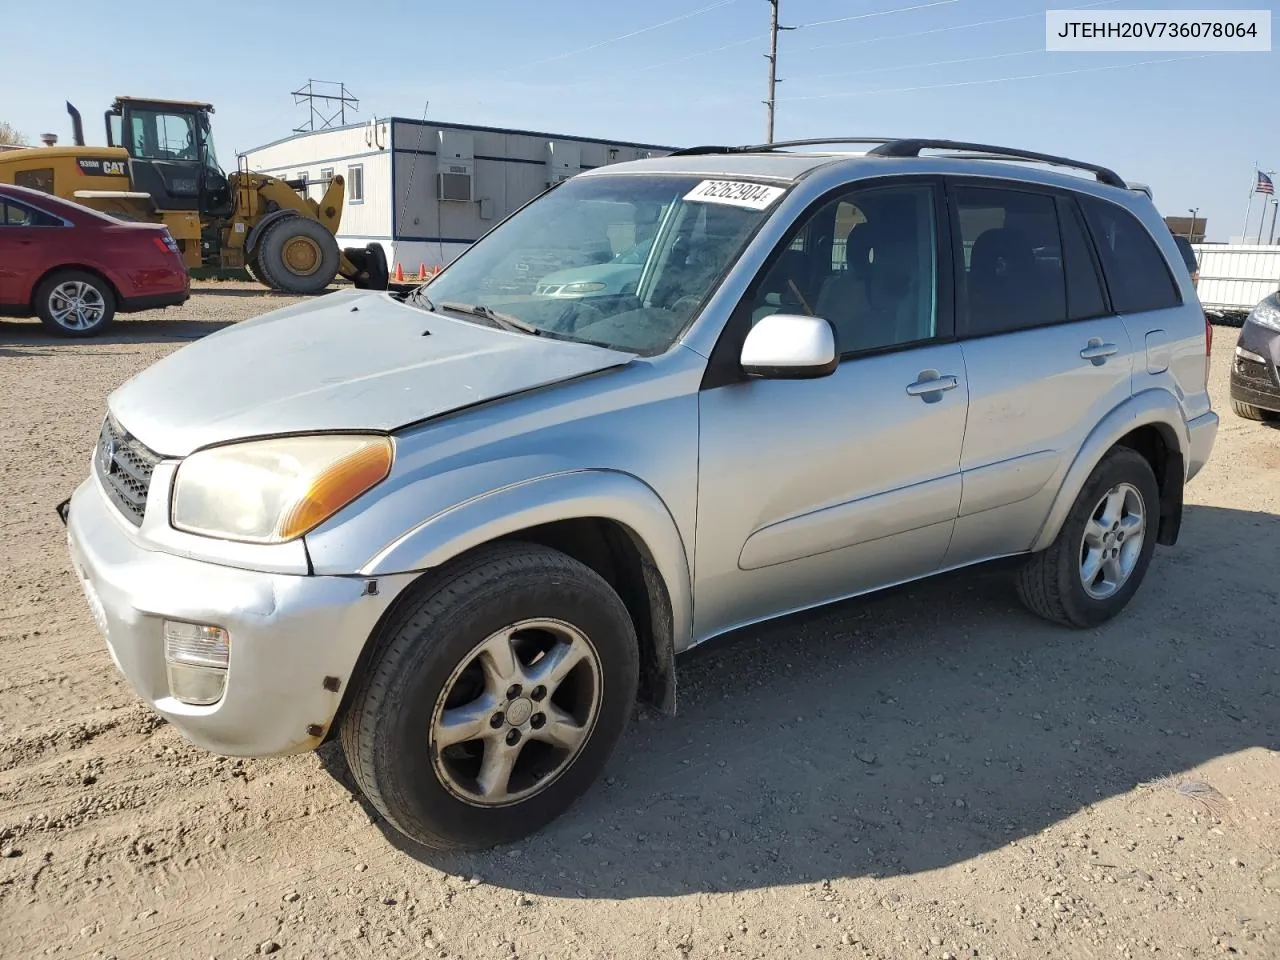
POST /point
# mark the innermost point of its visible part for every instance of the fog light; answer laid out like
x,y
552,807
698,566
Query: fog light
x,y
196,657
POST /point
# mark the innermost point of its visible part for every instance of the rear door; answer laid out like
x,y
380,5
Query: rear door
x,y
1046,359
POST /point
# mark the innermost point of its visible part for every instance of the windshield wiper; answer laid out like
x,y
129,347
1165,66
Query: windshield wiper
x,y
418,297
503,320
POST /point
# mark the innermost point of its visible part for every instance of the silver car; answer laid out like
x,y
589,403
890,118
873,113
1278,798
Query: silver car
x,y
463,531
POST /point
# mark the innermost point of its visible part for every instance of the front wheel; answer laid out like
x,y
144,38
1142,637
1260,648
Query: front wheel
x,y
1097,561
495,698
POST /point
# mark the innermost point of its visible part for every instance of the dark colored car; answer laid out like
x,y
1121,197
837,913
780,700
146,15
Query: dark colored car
x,y
1189,257
1255,370
75,268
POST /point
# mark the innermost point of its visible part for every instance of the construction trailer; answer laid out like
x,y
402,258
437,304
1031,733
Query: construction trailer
x,y
426,190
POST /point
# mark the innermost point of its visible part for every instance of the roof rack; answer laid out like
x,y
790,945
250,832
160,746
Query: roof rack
x,y
900,147
912,148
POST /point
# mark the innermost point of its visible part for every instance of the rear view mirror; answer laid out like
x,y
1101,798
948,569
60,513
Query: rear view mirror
x,y
786,346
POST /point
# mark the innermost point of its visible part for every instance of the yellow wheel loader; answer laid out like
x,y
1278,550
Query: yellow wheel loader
x,y
159,165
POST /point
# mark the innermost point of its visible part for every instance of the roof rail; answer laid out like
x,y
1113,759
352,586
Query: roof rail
x,y
912,148
901,147
778,145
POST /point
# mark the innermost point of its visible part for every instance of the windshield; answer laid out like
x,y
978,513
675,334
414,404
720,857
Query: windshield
x,y
683,247
206,135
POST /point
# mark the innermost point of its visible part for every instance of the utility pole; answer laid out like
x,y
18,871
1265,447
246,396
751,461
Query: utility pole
x,y
1191,234
772,57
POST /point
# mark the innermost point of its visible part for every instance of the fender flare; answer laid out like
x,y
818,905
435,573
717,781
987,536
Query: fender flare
x,y
1150,407
607,494
261,226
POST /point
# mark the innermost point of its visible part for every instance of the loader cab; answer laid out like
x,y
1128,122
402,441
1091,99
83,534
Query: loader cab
x,y
170,145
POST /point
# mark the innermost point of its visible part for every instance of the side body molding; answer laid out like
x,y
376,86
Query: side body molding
x,y
1150,407
608,494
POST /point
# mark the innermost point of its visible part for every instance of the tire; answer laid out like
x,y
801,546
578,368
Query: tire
x,y
436,795
64,288
318,242
1052,582
254,270
1248,411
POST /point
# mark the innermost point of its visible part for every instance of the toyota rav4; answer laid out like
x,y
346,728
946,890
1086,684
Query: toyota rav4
x,y
463,530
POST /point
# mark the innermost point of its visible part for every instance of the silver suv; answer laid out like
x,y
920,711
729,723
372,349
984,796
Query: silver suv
x,y
466,529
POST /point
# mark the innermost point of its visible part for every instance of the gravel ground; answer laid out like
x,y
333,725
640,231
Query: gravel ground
x,y
929,773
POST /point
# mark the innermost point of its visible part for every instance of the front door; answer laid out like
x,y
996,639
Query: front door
x,y
812,490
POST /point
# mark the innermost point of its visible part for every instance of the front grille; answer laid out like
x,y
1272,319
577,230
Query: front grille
x,y
124,469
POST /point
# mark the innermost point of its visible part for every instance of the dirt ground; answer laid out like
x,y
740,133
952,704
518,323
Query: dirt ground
x,y
930,773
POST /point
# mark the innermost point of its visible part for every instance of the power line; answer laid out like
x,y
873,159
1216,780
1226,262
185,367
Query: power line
x,y
957,26
878,13
634,33
993,80
922,66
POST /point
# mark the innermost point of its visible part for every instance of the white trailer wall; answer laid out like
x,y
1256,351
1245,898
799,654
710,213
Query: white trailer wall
x,y
400,206
1235,277
509,168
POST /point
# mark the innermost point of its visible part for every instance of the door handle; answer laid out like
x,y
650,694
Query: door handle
x,y
927,385
1097,351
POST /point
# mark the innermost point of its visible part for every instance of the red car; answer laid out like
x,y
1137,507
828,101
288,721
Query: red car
x,y
75,268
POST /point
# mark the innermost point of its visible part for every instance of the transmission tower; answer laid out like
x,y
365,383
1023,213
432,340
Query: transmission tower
x,y
327,104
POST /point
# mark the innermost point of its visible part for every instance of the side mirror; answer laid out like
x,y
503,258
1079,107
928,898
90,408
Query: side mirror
x,y
786,346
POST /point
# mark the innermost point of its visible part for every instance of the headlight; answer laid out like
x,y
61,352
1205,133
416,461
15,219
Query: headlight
x,y
1267,313
581,287
271,491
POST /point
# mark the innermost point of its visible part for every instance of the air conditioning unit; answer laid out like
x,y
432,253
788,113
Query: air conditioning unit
x,y
564,160
455,178
456,181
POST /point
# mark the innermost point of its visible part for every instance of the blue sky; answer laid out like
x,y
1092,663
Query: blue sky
x,y
1192,126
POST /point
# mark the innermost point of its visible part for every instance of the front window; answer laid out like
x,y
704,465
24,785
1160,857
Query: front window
x,y
649,250
154,135
206,135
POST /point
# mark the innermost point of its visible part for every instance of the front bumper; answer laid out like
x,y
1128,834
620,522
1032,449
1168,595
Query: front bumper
x,y
294,640
1255,378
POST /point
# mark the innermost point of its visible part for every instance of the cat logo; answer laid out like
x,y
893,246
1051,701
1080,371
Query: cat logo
x,y
93,167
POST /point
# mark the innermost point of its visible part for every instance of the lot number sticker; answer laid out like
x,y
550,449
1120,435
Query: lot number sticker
x,y
753,196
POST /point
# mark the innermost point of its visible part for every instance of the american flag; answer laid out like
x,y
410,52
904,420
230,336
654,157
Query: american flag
x,y
1264,184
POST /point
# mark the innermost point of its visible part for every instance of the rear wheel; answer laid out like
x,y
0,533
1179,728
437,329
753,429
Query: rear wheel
x,y
73,303
1096,563
495,700
297,255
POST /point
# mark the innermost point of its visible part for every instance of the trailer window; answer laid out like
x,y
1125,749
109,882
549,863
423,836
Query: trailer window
x,y
355,183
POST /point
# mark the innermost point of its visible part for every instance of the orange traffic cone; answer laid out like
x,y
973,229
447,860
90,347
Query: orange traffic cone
x,y
422,270
399,273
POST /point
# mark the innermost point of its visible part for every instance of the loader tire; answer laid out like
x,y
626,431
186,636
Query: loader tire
x,y
298,255
255,270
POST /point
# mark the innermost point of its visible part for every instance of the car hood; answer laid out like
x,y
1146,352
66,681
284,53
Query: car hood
x,y
352,360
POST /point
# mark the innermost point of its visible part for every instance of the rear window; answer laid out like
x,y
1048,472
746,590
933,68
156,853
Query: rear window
x,y
1135,270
